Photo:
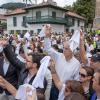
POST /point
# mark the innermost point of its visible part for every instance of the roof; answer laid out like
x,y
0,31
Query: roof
x,y
16,12
2,17
72,14
46,4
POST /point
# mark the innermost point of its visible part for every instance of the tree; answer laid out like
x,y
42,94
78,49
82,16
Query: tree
x,y
68,7
85,8
13,6
3,25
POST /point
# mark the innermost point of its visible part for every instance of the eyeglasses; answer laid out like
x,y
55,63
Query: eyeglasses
x,y
82,75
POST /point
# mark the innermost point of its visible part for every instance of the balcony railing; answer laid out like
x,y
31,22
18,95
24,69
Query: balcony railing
x,y
47,19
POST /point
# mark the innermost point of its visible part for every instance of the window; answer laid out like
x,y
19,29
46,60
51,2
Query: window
x,y
78,23
14,21
72,31
73,21
38,30
54,14
38,15
24,18
24,21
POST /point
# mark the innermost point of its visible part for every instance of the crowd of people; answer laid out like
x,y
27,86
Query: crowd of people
x,y
49,66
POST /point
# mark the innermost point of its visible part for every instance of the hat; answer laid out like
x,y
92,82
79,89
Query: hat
x,y
95,58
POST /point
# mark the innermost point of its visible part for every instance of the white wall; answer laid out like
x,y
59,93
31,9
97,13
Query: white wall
x,y
56,28
44,11
75,27
19,22
58,12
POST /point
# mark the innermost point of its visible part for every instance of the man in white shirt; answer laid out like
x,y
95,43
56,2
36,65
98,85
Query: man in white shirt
x,y
66,65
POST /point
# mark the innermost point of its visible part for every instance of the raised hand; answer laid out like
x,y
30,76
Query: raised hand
x,y
32,96
52,66
48,30
81,35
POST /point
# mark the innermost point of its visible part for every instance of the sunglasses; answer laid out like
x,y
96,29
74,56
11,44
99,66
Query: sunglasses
x,y
82,75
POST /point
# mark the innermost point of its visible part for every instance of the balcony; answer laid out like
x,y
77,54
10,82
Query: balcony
x,y
47,19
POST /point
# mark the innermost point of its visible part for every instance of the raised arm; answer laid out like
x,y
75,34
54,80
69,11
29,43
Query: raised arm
x,y
9,87
82,49
47,45
11,56
55,77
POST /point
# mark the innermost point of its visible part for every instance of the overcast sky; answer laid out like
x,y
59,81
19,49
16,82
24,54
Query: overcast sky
x,y
59,2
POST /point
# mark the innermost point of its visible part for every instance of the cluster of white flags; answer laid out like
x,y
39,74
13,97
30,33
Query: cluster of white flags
x,y
73,42
38,81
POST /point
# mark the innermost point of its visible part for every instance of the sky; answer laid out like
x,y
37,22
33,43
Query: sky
x,y
59,2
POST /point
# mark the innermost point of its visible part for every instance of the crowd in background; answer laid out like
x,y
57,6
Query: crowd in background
x,y
70,75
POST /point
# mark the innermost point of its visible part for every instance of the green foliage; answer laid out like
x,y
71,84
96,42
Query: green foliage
x,y
69,8
12,6
85,8
3,25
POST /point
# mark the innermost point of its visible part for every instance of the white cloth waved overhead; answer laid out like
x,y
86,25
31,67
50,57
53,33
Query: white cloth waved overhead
x,y
75,40
42,32
37,82
27,35
22,92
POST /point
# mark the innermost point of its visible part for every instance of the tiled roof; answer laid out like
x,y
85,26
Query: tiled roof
x,y
2,17
45,4
72,14
16,12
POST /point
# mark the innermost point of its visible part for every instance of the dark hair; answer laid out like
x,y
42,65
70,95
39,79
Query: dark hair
x,y
75,86
21,50
39,49
75,96
89,70
36,58
55,46
1,54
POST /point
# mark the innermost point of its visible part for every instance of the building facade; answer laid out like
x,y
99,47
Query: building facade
x,y
76,21
34,17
